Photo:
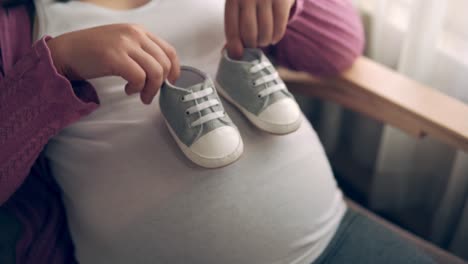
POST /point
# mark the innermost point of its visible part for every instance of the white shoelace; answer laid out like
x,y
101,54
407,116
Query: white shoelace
x,y
198,107
273,77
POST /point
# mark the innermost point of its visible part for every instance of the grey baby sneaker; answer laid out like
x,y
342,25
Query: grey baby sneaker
x,y
197,120
252,85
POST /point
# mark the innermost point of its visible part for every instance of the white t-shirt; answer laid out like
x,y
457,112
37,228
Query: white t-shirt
x,y
132,197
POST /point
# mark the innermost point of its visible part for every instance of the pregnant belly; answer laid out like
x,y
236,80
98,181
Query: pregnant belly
x,y
268,218
146,204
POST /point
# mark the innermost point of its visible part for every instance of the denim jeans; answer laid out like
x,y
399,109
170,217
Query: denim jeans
x,y
360,240
9,234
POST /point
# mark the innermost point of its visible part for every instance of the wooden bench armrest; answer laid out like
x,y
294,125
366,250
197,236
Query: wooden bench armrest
x,y
385,95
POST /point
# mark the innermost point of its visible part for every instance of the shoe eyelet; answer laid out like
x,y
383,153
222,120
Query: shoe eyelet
x,y
259,96
187,113
182,99
254,84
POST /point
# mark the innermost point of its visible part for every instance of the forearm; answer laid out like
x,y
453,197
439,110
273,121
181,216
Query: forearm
x,y
35,103
323,37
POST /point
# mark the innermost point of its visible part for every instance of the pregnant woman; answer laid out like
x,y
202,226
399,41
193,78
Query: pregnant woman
x,y
128,193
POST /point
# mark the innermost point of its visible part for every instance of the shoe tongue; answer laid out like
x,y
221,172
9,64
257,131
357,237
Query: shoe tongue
x,y
255,62
199,86
253,56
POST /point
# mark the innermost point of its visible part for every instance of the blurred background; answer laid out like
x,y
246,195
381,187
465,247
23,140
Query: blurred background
x,y
421,185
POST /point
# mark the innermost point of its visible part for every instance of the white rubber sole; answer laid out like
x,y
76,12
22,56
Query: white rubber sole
x,y
205,162
261,124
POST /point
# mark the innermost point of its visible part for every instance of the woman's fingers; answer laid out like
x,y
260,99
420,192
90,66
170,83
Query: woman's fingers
x,y
131,71
159,61
170,53
248,23
159,55
255,23
265,23
231,27
154,74
281,10
125,50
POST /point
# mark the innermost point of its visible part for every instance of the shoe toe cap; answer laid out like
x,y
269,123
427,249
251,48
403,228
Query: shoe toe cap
x,y
217,143
282,112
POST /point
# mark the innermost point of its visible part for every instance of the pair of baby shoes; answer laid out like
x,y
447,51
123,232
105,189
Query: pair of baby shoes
x,y
196,118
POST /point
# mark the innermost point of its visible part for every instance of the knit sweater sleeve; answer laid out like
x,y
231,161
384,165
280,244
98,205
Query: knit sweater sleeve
x,y
323,37
35,103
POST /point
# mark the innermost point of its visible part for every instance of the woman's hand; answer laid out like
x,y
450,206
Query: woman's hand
x,y
255,23
129,51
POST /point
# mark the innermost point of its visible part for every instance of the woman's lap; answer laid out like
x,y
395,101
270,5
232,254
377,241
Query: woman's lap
x,y
365,241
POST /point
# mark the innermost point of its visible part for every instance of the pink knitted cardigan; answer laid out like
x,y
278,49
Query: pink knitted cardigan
x,y
323,37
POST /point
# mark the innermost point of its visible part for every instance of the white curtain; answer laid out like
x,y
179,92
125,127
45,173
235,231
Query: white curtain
x,y
422,184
